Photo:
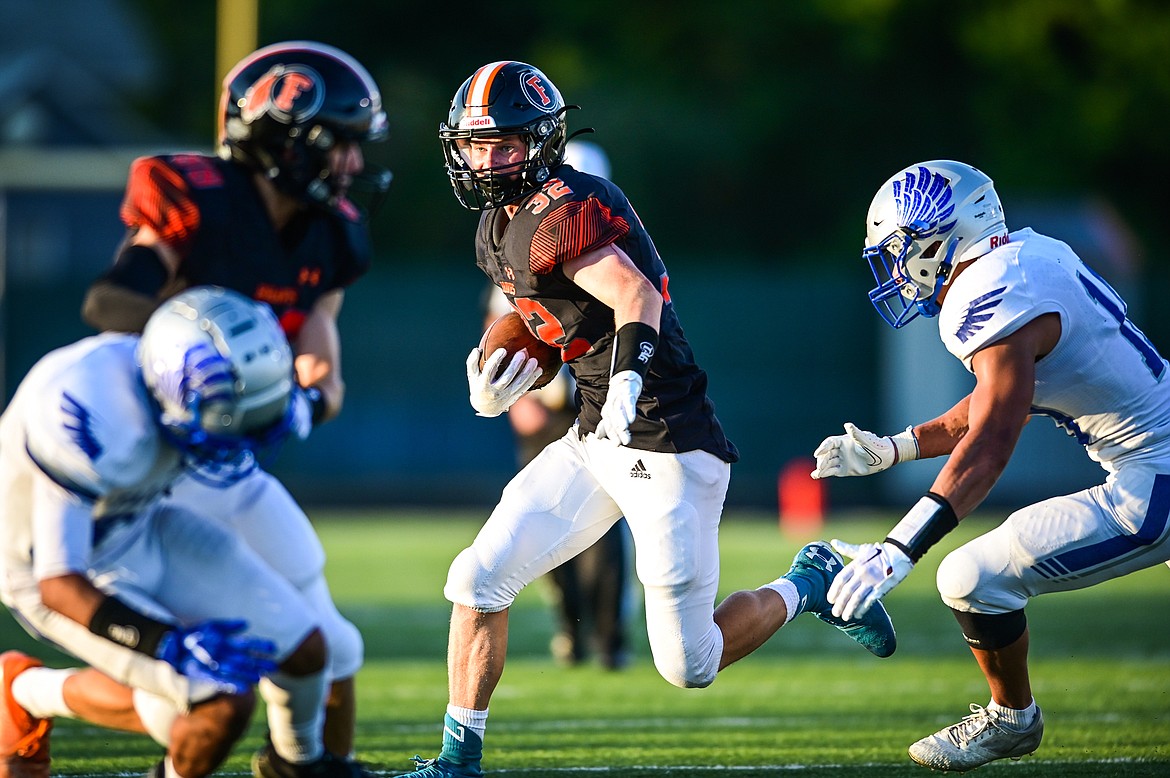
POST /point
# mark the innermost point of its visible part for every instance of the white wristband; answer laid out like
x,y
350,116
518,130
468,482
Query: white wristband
x,y
923,526
906,445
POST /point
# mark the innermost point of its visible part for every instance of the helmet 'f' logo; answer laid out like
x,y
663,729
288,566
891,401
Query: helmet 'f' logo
x,y
534,83
291,87
539,91
292,94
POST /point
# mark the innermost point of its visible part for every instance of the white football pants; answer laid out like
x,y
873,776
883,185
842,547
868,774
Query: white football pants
x,y
178,566
569,496
261,511
1064,543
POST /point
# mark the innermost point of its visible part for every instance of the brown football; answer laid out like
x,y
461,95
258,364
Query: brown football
x,y
511,334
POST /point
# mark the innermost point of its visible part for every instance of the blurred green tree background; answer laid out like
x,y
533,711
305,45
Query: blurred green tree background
x,y
751,130
750,135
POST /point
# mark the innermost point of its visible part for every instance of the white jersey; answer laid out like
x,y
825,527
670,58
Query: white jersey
x,y
1104,383
79,442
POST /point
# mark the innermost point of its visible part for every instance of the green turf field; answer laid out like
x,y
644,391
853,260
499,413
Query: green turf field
x,y
810,702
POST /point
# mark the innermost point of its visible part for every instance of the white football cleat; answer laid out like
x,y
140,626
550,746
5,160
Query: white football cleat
x,y
976,740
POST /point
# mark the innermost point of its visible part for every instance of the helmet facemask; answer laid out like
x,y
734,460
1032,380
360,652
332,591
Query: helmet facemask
x,y
490,188
909,273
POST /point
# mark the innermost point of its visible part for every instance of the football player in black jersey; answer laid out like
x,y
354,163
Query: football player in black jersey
x,y
594,592
573,258
271,216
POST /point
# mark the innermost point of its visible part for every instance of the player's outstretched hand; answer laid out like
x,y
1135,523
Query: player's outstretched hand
x,y
621,405
219,652
492,396
875,569
858,452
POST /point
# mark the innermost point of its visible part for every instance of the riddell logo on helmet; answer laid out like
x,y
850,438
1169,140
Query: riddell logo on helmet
x,y
999,240
471,122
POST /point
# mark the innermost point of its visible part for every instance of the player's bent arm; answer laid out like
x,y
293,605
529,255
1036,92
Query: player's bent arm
x,y
939,436
72,595
318,349
998,409
123,298
610,275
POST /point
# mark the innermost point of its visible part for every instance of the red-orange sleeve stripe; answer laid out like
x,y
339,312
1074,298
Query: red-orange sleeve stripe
x,y
157,196
571,230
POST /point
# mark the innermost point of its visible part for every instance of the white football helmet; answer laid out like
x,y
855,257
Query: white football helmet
x,y
221,370
921,223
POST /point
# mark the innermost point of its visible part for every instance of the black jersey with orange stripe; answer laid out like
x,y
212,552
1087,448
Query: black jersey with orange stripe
x,y
210,212
572,214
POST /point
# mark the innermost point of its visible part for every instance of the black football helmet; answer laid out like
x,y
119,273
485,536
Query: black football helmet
x,y
504,98
286,105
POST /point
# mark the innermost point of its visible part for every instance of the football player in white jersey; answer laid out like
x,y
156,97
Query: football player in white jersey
x,y
1044,335
147,593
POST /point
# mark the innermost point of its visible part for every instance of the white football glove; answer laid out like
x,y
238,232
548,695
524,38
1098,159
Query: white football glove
x,y
858,452
621,405
875,569
491,398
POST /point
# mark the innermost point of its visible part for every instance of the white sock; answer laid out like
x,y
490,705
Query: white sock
x,y
475,720
296,713
41,692
787,590
1015,718
157,714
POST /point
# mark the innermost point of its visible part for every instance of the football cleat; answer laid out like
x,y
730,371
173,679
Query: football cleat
x,y
437,768
24,740
459,758
976,740
813,570
266,763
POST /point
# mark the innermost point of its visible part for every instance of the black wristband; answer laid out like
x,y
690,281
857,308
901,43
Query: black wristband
x,y
115,620
633,348
316,403
927,522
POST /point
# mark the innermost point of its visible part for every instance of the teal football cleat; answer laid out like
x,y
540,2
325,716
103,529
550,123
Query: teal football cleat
x,y
813,570
459,758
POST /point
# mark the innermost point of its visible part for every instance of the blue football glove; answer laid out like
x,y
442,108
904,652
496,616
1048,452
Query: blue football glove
x,y
301,423
216,651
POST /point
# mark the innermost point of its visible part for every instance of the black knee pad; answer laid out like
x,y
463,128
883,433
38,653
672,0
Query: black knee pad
x,y
988,632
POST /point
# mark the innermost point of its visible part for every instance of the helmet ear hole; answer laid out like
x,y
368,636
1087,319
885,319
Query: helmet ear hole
x,y
931,250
